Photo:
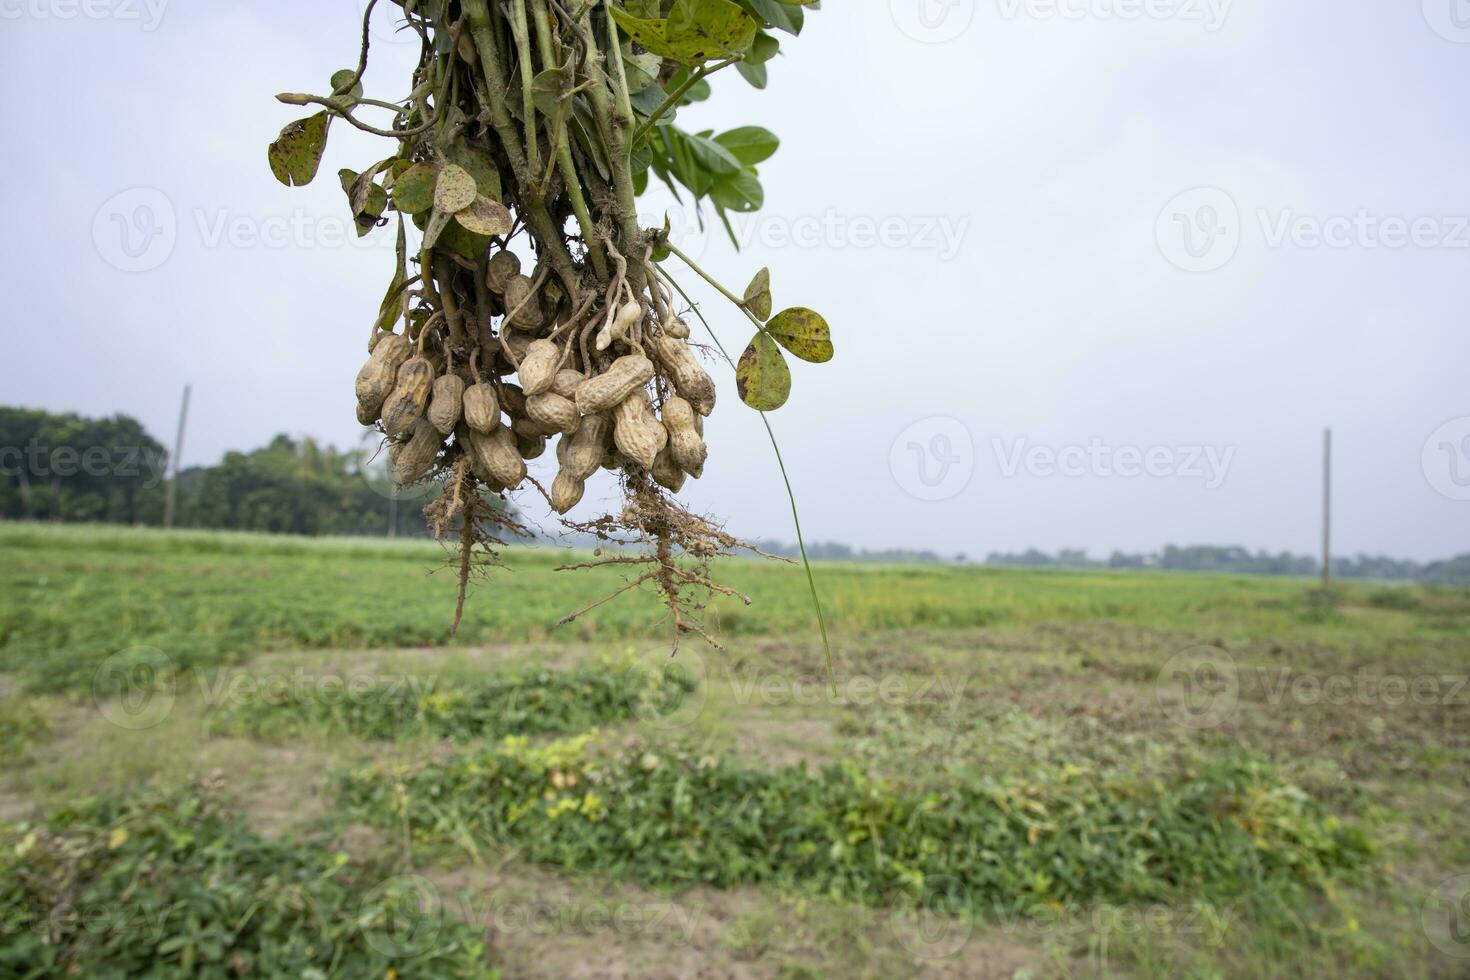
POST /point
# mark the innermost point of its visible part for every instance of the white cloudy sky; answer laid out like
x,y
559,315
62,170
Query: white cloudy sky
x,y
1031,291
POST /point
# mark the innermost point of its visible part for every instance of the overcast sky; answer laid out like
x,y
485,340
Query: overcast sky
x,y
1099,272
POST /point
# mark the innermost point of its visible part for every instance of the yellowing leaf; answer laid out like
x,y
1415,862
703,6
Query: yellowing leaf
x,y
804,333
761,376
297,152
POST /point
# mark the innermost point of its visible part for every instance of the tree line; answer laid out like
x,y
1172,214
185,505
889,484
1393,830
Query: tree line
x,y
69,468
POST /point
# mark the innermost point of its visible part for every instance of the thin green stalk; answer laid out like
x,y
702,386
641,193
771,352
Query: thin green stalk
x,y
482,32
673,249
522,34
694,78
811,579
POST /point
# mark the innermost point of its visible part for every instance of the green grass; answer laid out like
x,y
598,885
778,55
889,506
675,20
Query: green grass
x,y
1228,849
73,597
672,817
534,702
170,885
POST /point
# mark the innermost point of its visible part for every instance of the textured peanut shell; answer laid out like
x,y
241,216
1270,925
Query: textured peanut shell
x,y
414,457
409,399
566,492
498,457
611,388
683,368
686,446
581,453
378,376
636,432
446,403
667,473
566,382
552,410
522,306
538,367
501,269
481,408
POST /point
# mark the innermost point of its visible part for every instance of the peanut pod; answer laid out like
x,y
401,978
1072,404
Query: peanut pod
x,y
407,403
683,368
413,459
481,408
446,403
636,432
553,411
611,388
686,446
538,367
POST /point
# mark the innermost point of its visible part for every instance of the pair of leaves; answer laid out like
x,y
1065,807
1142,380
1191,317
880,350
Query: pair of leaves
x,y
720,167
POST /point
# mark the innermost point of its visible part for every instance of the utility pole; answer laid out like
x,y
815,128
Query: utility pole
x,y
170,496
1327,509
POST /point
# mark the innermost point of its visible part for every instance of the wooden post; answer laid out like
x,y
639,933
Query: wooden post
x,y
1327,509
170,496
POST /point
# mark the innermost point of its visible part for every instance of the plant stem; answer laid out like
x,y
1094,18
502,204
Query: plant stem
x,y
811,580
694,78
674,249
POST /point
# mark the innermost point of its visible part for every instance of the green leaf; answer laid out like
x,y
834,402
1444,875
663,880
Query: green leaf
x,y
763,49
391,308
711,155
756,75
297,152
758,295
546,91
761,376
750,144
804,333
413,191
738,192
775,13
348,98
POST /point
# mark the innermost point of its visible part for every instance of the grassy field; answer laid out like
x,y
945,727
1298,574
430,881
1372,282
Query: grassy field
x,y
1019,774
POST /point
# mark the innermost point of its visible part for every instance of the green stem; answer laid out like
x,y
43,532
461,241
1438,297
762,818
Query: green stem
x,y
694,78
674,249
522,34
811,579
482,32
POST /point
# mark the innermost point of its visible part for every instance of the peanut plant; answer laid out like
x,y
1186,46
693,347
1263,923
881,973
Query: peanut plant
x,y
544,120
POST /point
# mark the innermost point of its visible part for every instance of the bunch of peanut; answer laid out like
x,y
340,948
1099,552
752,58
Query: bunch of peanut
x,y
634,400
